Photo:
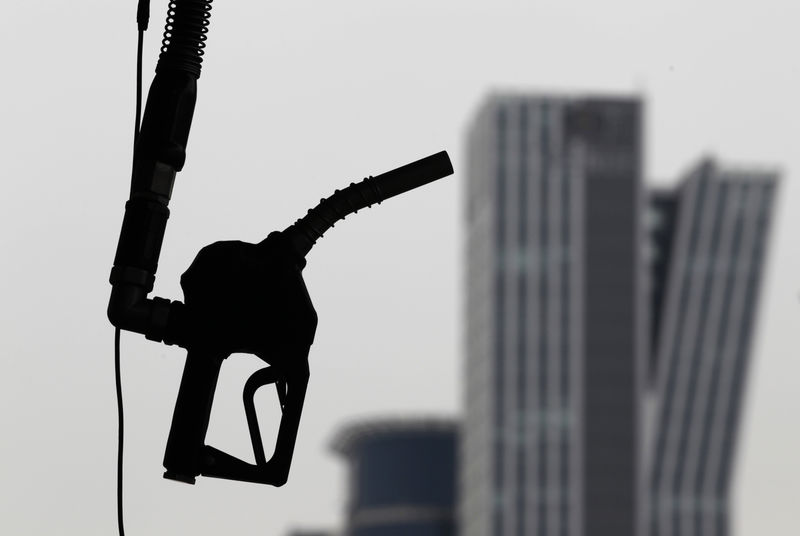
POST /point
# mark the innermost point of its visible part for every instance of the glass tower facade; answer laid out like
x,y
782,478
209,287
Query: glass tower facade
x,y
719,222
555,318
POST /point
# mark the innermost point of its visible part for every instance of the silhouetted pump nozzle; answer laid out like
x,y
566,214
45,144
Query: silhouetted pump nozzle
x,y
249,298
238,297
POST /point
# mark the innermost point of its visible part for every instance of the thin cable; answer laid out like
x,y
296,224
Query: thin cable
x,y
121,432
137,124
139,47
117,375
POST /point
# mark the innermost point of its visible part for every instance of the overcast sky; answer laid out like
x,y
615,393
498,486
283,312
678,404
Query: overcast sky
x,y
297,99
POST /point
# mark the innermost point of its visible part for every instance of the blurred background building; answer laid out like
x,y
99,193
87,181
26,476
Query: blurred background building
x,y
555,318
402,477
312,532
607,329
707,284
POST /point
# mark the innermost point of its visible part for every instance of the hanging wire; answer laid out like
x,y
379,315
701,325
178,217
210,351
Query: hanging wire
x,y
121,432
142,18
138,119
139,46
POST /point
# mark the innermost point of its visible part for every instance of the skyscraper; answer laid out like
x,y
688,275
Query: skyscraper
x,y
607,329
717,222
555,318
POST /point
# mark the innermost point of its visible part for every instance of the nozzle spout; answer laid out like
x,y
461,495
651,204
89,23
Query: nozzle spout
x,y
308,229
414,175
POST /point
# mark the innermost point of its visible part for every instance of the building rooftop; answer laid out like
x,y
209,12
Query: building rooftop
x,y
356,432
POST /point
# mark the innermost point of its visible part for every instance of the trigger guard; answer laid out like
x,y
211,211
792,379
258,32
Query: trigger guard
x,y
258,379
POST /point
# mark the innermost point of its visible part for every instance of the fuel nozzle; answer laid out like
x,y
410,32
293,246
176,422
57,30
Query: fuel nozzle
x,y
251,298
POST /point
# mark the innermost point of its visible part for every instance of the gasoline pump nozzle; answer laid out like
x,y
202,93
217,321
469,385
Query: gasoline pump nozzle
x,y
239,297
251,298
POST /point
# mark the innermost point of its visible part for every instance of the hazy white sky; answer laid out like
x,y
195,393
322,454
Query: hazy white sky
x,y
297,99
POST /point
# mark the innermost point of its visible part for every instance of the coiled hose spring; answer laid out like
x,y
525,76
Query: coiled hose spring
x,y
185,36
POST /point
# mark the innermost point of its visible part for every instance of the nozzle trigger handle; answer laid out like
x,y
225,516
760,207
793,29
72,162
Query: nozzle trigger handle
x,y
291,394
274,471
187,456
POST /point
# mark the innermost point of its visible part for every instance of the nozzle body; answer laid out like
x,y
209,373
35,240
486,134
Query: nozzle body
x,y
251,298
